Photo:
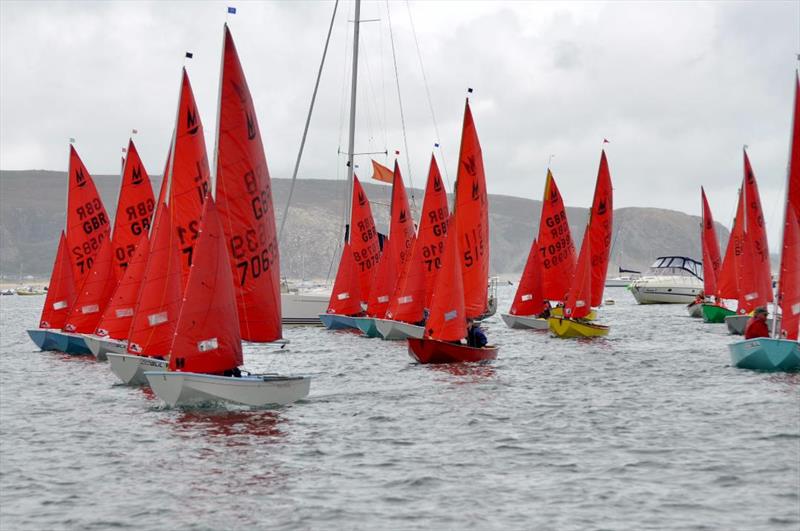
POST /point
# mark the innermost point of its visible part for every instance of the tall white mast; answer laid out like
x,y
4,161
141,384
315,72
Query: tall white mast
x,y
352,133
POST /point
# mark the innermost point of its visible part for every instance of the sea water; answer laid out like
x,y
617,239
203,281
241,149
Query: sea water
x,y
650,428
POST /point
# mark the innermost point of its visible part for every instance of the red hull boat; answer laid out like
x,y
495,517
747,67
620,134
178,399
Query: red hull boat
x,y
434,351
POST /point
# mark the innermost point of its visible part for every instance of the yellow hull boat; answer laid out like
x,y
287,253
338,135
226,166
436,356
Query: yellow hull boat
x,y
570,328
559,312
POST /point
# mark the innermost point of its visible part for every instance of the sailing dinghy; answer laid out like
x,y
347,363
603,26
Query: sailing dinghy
x,y
394,260
173,236
360,256
459,292
711,257
207,345
131,225
782,351
406,312
86,231
550,264
60,296
588,282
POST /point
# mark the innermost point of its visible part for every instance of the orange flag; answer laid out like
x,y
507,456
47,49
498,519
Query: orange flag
x,y
382,173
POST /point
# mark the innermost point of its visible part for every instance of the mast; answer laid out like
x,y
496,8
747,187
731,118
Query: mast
x,y
352,133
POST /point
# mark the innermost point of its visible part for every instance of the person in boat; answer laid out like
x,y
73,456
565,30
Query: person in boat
x,y
235,373
545,313
475,336
757,325
700,299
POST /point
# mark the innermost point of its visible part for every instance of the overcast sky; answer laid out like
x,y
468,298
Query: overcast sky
x,y
676,87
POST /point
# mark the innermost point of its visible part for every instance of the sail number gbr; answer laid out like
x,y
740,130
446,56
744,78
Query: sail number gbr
x,y
560,245
255,255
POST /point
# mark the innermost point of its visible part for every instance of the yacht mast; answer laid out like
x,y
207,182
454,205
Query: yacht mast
x,y
352,132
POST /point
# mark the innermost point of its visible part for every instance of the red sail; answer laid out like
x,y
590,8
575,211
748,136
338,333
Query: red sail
x,y
346,297
415,288
87,220
789,282
727,280
578,303
472,211
790,277
159,299
93,293
189,176
556,248
134,210
528,299
600,227
793,188
363,239
408,302
207,336
746,284
401,226
244,203
60,292
118,315
383,283
447,320
711,259
757,236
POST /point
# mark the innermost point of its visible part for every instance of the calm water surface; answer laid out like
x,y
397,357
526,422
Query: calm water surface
x,y
648,429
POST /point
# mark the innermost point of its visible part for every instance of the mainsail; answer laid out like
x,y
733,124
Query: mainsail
x,y
244,203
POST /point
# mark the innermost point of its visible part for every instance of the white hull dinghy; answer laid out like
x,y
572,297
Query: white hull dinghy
x,y
130,368
189,388
525,322
100,346
397,330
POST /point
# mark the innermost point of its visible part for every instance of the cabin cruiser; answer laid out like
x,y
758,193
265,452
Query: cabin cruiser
x,y
670,280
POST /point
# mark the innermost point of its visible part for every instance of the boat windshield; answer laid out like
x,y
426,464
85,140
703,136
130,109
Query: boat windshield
x,y
676,266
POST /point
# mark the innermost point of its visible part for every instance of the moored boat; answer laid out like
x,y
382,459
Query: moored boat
x,y
670,280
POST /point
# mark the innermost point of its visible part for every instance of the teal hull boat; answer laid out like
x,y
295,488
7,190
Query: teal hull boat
x,y
367,326
766,354
715,314
333,321
46,340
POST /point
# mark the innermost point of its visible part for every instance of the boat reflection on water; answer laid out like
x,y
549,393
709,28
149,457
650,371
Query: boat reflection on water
x,y
469,372
237,427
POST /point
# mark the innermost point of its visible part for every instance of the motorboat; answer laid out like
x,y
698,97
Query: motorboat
x,y
670,280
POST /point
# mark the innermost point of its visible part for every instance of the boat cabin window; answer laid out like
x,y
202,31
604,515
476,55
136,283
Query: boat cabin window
x,y
676,266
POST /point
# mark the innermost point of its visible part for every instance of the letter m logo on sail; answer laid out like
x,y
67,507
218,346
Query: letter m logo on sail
x,y
136,177
80,178
191,120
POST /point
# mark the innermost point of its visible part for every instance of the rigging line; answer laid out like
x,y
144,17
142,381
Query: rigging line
x,y
308,122
428,94
400,102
